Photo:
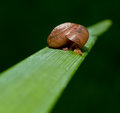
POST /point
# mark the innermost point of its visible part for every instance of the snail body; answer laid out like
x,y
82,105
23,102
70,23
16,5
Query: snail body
x,y
68,36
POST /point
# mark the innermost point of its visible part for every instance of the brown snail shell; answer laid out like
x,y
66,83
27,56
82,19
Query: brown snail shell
x,y
66,34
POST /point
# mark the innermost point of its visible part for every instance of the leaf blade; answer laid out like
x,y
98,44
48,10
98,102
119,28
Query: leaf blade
x,y
35,84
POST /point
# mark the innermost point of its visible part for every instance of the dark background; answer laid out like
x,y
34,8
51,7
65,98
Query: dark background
x,y
24,27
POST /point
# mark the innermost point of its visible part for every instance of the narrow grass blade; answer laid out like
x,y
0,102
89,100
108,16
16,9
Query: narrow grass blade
x,y
35,84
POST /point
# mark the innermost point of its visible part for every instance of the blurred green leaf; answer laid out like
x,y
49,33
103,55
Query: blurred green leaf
x,y
35,84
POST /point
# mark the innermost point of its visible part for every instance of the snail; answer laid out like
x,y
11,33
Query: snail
x,y
68,36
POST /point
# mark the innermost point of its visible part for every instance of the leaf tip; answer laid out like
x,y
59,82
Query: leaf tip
x,y
108,22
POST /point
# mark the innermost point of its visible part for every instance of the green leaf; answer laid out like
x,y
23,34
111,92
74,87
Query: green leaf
x,y
35,84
